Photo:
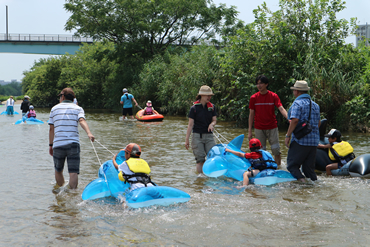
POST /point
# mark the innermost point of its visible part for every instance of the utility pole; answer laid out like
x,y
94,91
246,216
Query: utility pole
x,y
6,22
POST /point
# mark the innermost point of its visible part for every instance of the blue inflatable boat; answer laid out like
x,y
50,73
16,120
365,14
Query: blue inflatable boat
x,y
6,113
108,184
221,163
26,120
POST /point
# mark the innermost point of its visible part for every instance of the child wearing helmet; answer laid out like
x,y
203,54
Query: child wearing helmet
x,y
134,170
31,113
259,159
149,110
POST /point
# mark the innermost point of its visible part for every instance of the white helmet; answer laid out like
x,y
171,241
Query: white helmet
x,y
31,107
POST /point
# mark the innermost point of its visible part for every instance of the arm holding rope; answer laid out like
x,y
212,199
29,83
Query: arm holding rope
x,y
211,126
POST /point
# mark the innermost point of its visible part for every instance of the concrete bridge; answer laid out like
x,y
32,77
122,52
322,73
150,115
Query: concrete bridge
x,y
41,43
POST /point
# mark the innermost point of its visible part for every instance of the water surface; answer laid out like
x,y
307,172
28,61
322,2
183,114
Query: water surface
x,y
332,212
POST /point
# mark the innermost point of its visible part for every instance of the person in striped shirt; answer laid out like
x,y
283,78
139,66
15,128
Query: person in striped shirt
x,y
64,136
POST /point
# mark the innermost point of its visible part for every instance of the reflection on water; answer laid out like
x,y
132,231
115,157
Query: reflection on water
x,y
330,212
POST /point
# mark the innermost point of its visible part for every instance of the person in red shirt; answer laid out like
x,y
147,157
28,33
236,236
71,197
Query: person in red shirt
x,y
262,112
256,159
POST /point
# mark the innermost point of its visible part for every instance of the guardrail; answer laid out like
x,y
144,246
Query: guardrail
x,y
44,38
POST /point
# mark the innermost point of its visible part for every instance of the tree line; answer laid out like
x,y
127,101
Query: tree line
x,y
160,51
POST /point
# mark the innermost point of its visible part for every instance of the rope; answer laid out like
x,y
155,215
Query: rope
x,y
225,145
221,136
104,147
95,152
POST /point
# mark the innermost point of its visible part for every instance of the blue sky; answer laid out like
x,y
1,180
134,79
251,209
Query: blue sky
x,y
49,17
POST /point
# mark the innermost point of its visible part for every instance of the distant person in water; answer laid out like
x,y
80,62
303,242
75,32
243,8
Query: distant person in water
x,y
31,113
10,106
149,110
126,101
25,106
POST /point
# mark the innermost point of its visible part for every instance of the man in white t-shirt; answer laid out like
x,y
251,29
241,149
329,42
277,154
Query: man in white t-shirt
x,y
10,106
64,136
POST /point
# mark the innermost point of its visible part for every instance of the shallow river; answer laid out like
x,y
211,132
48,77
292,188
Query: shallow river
x,y
332,212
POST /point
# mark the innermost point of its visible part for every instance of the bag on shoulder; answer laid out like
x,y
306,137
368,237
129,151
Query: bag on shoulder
x,y
304,128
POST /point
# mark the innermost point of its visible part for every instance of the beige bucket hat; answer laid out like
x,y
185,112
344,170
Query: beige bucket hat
x,y
300,86
205,90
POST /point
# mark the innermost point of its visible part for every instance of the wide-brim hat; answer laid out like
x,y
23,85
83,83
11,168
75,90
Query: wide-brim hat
x,y
205,90
300,86
27,97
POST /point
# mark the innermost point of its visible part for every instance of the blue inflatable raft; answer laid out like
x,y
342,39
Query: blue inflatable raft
x,y
221,163
5,113
26,120
108,184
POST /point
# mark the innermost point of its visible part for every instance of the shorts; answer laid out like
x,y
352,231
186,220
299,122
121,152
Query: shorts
x,y
272,135
127,110
72,153
201,145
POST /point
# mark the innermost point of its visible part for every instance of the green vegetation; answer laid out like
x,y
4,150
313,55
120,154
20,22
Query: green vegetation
x,y
302,40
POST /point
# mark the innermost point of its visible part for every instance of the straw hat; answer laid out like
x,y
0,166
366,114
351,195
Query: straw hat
x,y
205,90
300,86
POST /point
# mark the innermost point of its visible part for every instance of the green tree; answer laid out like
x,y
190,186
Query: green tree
x,y
302,40
149,27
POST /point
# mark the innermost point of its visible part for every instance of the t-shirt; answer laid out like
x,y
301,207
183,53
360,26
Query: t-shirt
x,y
10,102
65,116
127,100
202,117
264,109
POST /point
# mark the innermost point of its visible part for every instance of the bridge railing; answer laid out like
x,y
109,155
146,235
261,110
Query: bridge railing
x,y
44,38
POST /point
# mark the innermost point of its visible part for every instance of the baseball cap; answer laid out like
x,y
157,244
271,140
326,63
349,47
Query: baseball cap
x,y
334,133
133,149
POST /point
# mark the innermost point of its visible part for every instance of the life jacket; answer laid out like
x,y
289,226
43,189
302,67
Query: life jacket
x,y
141,171
265,162
210,106
148,111
341,152
31,113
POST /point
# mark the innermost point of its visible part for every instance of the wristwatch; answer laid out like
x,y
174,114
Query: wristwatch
x,y
286,136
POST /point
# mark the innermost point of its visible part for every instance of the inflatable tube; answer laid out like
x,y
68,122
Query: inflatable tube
x,y
155,195
28,121
5,113
271,176
108,184
221,163
360,166
148,118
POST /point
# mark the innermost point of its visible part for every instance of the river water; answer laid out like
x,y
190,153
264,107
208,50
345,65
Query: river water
x,y
332,212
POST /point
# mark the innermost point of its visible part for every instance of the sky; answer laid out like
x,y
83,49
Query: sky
x,y
49,17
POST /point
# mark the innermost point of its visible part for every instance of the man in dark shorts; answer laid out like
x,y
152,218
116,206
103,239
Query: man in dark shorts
x,y
64,136
126,101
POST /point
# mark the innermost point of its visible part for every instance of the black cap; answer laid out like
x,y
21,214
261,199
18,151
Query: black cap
x,y
334,133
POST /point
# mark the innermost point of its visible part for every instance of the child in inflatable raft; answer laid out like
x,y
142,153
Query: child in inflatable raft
x,y
134,170
259,159
149,110
339,151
